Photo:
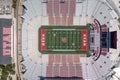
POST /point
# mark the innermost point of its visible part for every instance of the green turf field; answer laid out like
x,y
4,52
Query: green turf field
x,y
68,39
63,39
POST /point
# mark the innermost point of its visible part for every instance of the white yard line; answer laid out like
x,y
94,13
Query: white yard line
x,y
63,29
62,50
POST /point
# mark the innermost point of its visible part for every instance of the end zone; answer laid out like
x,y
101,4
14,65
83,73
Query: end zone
x,y
85,40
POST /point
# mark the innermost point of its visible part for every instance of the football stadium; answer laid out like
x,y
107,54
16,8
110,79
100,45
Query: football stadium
x,y
70,40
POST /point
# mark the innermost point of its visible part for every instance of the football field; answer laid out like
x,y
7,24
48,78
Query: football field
x,y
63,39
54,39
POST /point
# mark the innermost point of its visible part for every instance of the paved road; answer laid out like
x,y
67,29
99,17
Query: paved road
x,y
17,29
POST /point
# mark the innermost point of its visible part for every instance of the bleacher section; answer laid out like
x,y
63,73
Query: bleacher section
x,y
66,13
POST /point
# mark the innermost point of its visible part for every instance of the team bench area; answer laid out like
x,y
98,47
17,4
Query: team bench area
x,y
64,39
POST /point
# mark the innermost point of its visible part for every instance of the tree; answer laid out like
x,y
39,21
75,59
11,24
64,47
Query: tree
x,y
14,3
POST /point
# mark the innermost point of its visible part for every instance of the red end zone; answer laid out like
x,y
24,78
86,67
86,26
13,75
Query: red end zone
x,y
43,39
84,40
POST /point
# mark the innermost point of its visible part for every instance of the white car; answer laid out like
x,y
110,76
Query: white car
x,y
0,10
7,9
